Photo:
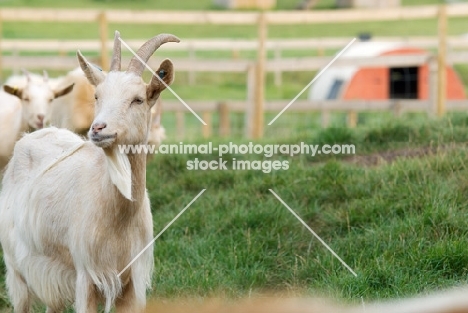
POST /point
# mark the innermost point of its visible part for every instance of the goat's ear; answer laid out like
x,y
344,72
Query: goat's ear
x,y
64,91
165,77
95,76
15,91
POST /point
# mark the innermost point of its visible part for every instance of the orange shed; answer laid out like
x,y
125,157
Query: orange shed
x,y
380,83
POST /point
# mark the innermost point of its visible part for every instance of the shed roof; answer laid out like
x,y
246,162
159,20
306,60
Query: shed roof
x,y
322,88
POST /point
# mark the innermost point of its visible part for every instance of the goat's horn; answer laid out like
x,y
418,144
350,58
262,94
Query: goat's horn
x,y
27,74
45,75
116,55
136,65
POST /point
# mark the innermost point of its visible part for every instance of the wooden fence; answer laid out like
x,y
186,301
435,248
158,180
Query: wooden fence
x,y
226,44
206,109
63,47
256,70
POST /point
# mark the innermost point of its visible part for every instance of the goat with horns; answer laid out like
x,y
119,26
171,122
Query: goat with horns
x,y
74,213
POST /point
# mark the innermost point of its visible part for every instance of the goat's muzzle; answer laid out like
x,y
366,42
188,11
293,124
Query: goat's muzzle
x,y
96,128
98,137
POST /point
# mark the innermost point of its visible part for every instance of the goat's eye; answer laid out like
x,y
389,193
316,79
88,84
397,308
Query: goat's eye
x,y
95,97
162,73
137,101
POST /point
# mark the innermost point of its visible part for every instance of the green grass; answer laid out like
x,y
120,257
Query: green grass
x,y
400,226
47,30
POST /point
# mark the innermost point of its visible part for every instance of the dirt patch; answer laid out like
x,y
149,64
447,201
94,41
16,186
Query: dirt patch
x,y
386,157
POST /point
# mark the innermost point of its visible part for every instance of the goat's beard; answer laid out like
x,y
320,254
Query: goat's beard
x,y
103,141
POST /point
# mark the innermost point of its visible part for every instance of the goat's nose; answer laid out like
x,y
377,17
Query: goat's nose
x,y
40,117
98,127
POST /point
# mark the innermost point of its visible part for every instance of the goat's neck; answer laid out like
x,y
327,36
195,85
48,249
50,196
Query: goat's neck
x,y
138,165
128,174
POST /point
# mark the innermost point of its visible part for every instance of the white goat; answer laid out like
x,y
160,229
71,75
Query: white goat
x,y
23,105
36,95
74,111
74,213
11,124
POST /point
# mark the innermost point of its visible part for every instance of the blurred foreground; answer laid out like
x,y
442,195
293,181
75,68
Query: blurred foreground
x,y
452,301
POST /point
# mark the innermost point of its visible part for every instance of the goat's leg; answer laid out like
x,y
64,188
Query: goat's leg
x,y
85,297
18,291
128,302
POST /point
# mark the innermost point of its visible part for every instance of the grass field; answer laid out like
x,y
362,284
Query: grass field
x,y
400,225
423,27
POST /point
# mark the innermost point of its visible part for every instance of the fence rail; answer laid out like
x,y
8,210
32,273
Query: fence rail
x,y
230,65
223,109
395,105
231,18
221,44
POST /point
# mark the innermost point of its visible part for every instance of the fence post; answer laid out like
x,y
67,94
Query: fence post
x,y
278,73
15,55
180,124
249,109
224,122
441,61
320,51
432,86
260,78
206,129
191,74
352,119
396,107
104,58
325,118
